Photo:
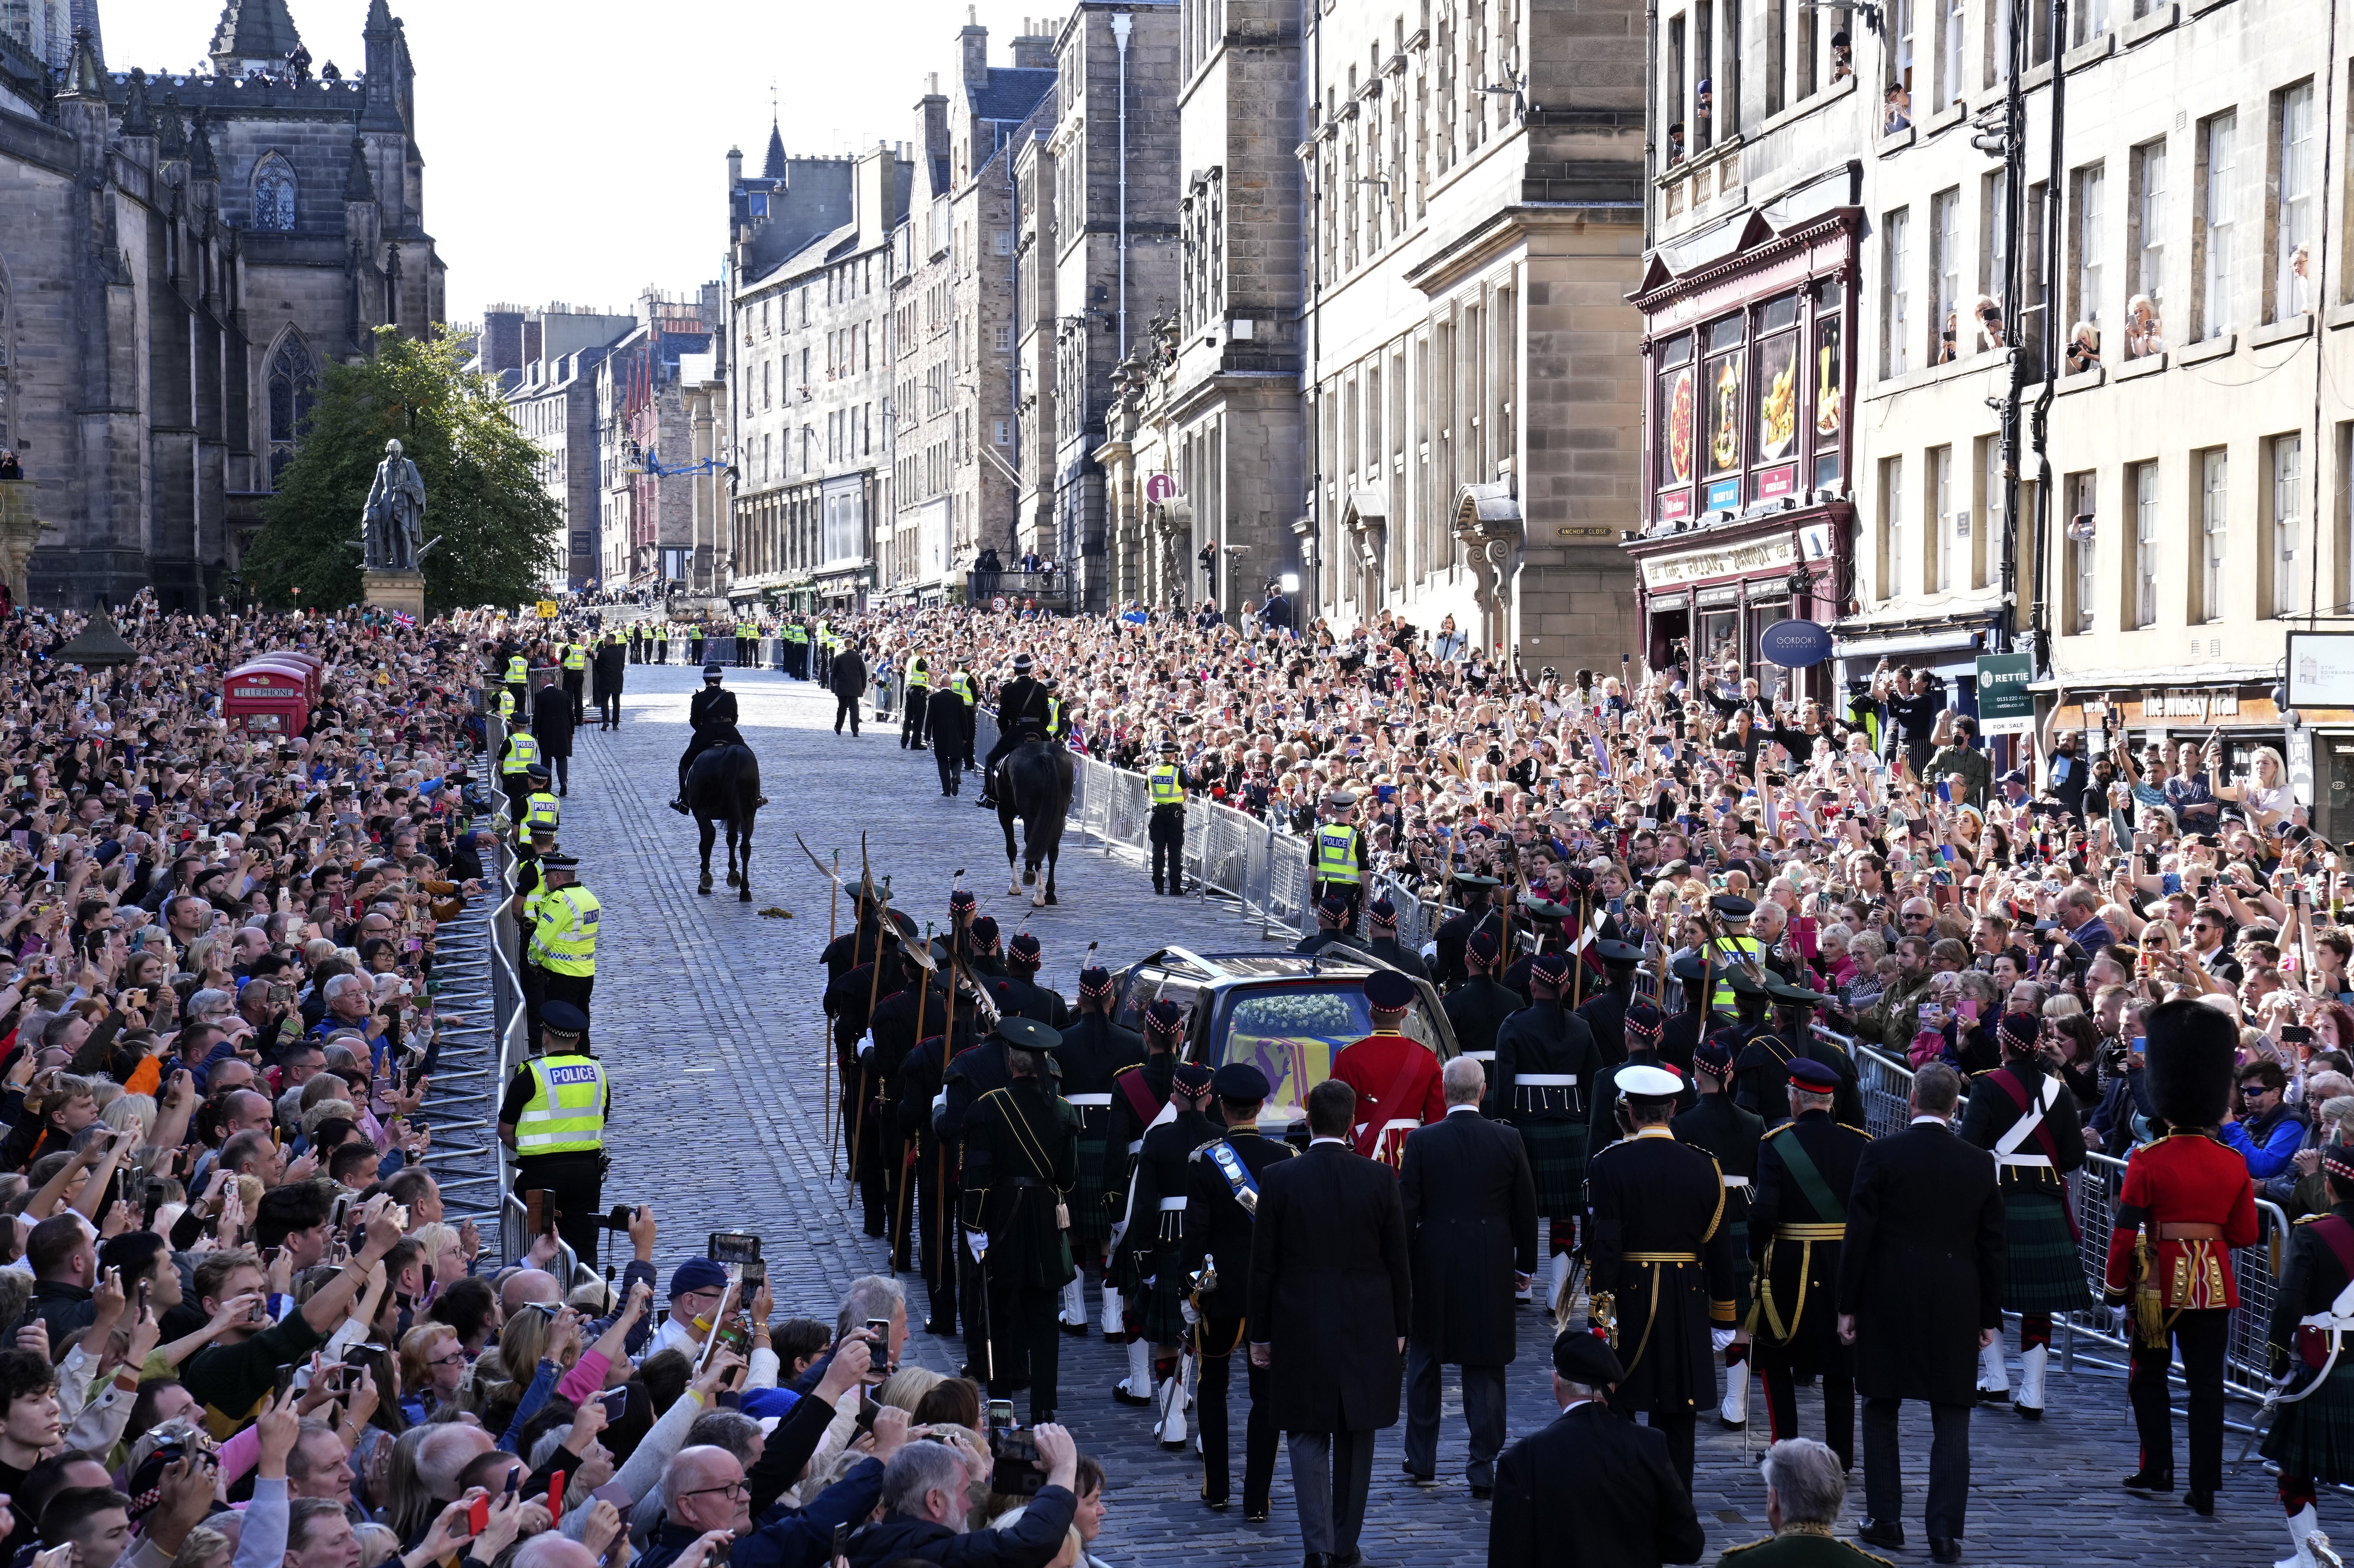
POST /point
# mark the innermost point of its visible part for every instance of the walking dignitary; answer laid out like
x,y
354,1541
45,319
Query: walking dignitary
x,y
1590,1490
1471,1230
2025,1115
1797,1221
1020,1151
612,663
1921,1275
2187,1202
1331,1296
1221,1216
1661,1265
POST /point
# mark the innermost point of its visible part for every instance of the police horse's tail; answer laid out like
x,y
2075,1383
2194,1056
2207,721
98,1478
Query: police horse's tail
x,y
723,788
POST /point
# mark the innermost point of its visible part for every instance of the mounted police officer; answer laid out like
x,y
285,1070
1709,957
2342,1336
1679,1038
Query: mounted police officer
x,y
711,715
1166,786
1020,1157
553,1118
1095,1052
1221,1200
1021,702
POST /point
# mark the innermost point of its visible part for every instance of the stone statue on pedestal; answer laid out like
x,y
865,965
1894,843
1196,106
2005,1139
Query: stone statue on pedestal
x,y
392,525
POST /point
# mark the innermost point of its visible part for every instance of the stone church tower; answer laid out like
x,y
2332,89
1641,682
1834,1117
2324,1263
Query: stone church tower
x,y
179,257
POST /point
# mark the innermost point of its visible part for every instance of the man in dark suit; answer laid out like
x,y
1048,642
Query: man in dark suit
x,y
1610,1478
1221,1210
1471,1230
1920,1294
1330,1296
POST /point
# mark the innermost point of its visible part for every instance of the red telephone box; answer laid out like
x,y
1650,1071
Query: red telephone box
x,y
270,696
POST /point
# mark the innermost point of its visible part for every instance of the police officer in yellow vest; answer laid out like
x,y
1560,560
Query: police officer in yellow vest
x,y
796,638
917,703
1731,946
1167,785
553,1117
541,811
560,960
1339,863
748,644
516,762
506,706
576,679
519,677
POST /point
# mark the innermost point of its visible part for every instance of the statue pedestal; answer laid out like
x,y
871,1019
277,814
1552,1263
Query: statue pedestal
x,y
384,588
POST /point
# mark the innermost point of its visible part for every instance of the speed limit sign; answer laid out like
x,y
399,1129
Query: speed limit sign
x,y
997,604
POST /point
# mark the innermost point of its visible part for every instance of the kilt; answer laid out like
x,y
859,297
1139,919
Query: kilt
x,y
1091,1220
1557,1162
1743,1270
2045,1273
2314,1437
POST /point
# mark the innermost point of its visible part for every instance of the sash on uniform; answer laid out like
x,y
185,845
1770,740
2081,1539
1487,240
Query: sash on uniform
x,y
1801,1166
2031,1120
1238,1177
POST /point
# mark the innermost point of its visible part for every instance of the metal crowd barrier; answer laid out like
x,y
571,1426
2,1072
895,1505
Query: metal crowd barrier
x,y
2100,1337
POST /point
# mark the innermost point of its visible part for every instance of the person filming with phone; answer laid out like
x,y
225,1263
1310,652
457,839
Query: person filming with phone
x,y
926,1499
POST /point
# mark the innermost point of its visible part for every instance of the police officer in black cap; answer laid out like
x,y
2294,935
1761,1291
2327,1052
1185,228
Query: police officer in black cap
x,y
1730,1133
1021,1161
1385,945
1221,1198
1095,1050
1546,1065
1609,1483
1797,1221
553,1118
1167,785
1151,1250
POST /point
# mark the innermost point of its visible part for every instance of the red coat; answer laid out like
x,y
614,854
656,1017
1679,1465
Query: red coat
x,y
2190,1179
1402,1068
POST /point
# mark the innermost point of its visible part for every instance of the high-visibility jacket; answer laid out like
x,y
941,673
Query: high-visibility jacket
x,y
518,670
576,657
522,750
1336,854
564,936
506,703
1168,787
961,684
565,1114
920,676
541,811
1053,715
796,633
1725,953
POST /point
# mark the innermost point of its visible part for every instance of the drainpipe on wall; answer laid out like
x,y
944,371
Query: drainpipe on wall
x,y
1121,23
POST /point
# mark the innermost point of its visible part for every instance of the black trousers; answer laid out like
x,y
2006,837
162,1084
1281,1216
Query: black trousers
x,y
911,723
867,1135
1025,1346
574,680
1166,828
561,766
2202,1337
845,707
608,708
746,647
575,1184
1782,1404
1950,1466
1331,1472
936,1232
542,986
946,757
1483,1411
1258,1427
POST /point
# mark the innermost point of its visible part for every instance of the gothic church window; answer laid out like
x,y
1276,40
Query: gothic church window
x,y
273,196
294,386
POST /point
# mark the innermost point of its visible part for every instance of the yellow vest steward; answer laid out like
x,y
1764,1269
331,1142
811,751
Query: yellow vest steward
x,y
522,750
518,672
542,811
567,1113
1167,789
1336,854
1721,951
576,657
564,939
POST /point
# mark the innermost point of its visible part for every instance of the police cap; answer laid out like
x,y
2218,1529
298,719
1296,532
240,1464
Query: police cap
x,y
539,771
1389,991
1241,1083
562,1018
1728,907
557,860
713,671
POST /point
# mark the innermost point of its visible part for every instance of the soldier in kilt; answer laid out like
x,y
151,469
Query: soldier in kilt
x,y
2024,1114
1094,1051
1545,1067
1150,1255
2312,1435
1731,1134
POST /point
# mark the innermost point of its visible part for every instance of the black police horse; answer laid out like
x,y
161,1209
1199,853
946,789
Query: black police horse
x,y
1034,784
724,786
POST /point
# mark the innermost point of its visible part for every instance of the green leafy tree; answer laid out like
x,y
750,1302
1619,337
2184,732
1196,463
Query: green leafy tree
x,y
498,528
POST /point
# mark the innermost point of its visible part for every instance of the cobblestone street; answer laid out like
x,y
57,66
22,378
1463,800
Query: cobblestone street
x,y
707,1016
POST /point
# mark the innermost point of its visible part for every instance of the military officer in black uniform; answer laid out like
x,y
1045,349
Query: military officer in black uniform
x,y
1221,1194
1094,1052
913,1008
1029,999
1731,1134
1643,1026
915,1089
1789,1033
863,1077
1477,1008
1022,701
1545,1067
1332,930
711,716
1605,1011
1021,1160
1797,1220
1138,1094
1483,910
1681,1032
1661,1265
1151,1251
1385,945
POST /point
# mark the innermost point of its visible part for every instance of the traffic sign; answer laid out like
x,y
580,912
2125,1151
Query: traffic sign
x,y
548,610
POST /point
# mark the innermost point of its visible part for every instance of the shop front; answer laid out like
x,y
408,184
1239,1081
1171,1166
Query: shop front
x,y
1749,350
2241,716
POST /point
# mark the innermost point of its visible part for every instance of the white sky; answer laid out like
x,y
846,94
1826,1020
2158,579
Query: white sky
x,y
576,150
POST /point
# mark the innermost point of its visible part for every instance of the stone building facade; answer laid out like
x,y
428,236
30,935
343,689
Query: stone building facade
x,y
545,362
809,299
182,256
659,398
